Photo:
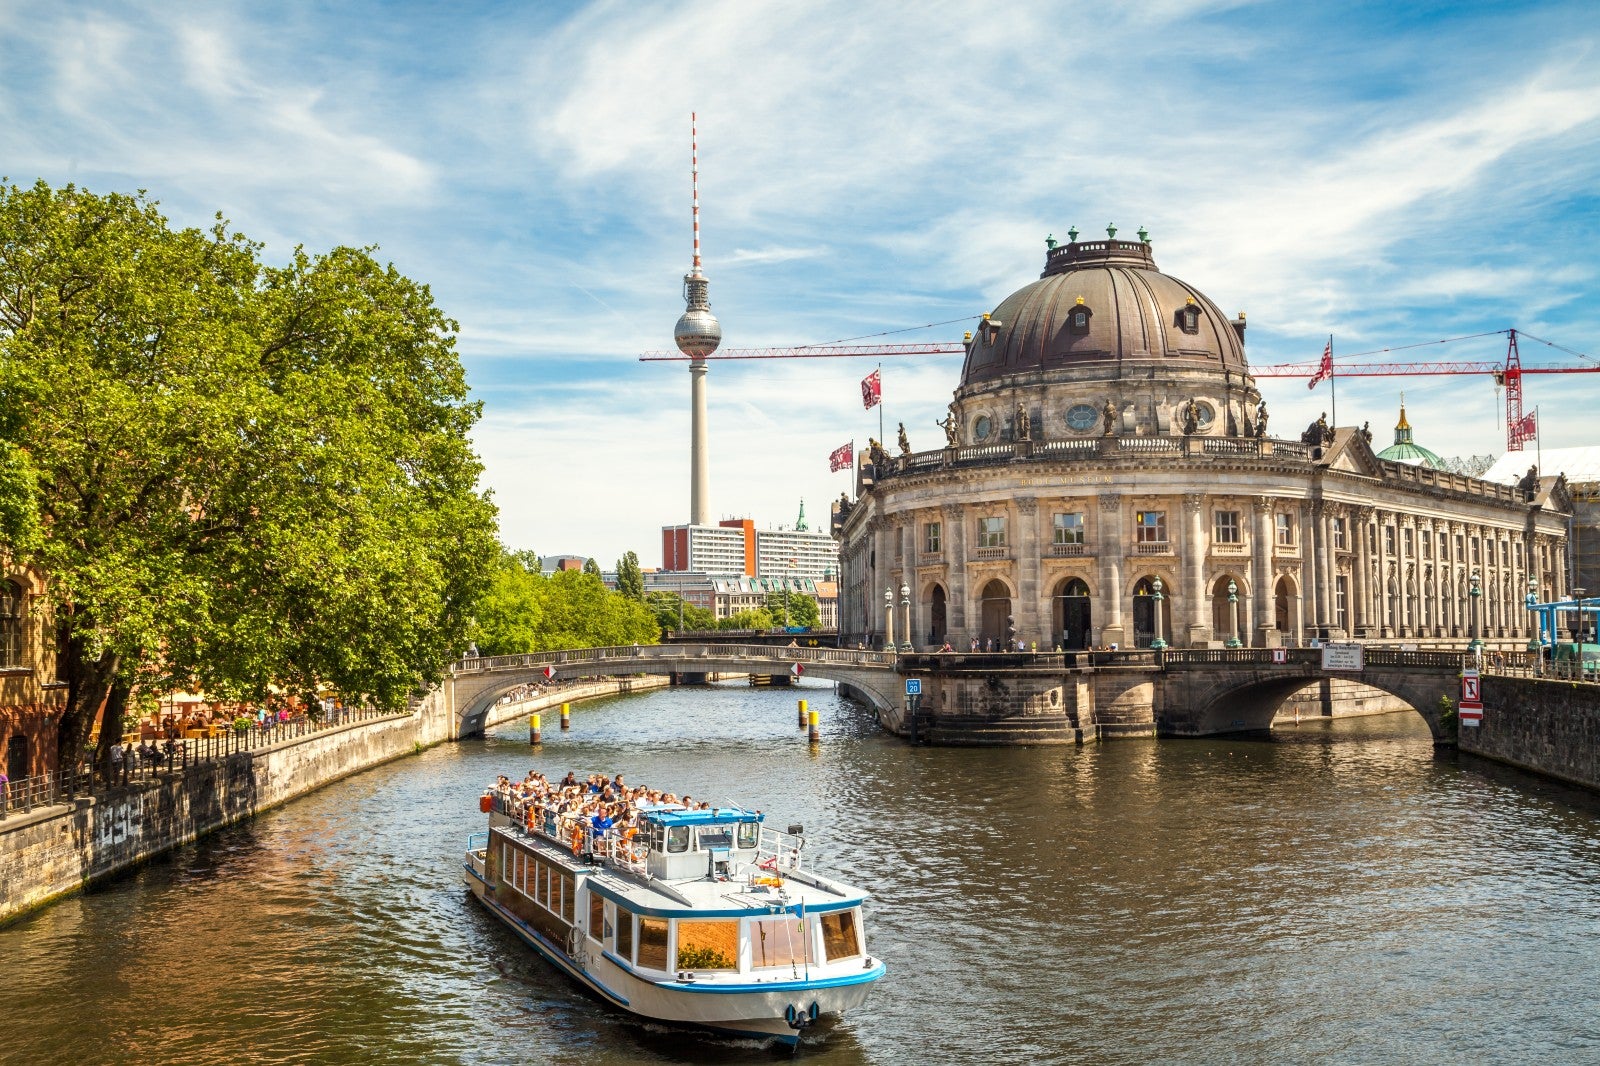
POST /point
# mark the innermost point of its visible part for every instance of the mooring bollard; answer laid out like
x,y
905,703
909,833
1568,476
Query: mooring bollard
x,y
566,716
816,730
535,734
802,714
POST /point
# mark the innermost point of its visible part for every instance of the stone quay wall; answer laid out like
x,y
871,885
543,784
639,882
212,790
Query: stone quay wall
x,y
1547,726
54,851
511,710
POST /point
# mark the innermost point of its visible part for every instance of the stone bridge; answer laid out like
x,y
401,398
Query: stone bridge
x,y
1003,698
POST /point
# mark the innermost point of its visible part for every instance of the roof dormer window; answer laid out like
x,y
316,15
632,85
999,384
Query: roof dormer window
x,y
1078,317
1188,317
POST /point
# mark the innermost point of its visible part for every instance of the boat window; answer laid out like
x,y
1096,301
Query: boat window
x,y
839,939
563,880
710,945
541,887
652,943
715,837
749,834
625,933
677,838
658,837
597,915
777,942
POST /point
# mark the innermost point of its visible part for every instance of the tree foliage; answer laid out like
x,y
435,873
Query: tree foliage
x,y
760,618
525,611
247,479
630,579
801,609
666,606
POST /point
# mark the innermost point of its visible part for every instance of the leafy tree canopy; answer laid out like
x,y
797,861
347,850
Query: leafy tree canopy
x,y
525,611
665,606
802,609
246,479
630,579
760,618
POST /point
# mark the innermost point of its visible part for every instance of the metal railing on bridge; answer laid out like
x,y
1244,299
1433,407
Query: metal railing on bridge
x,y
625,655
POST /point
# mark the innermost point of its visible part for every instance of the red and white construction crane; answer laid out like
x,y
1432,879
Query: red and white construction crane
x,y
1520,427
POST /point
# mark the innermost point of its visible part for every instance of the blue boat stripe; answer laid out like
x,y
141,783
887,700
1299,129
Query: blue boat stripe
x,y
864,977
538,942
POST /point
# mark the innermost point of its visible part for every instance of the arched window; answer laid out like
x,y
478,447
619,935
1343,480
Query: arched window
x,y
1072,616
11,624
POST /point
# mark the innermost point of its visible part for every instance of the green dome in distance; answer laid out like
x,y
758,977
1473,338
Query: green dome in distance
x,y
1406,450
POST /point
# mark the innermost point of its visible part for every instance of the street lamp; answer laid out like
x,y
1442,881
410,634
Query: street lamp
x,y
1158,644
905,605
888,619
1476,592
1233,613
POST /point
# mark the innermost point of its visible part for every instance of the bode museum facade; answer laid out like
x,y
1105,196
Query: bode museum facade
x,y
1109,479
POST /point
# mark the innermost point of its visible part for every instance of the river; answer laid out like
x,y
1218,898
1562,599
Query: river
x,y
1336,893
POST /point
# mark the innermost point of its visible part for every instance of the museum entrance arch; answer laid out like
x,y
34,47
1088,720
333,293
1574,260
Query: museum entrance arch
x,y
1144,612
938,614
995,610
1227,619
1072,616
1286,608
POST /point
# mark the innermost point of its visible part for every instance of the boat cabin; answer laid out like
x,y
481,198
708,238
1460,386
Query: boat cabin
x,y
682,844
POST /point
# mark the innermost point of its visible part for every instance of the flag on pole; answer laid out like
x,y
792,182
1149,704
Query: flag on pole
x,y
841,457
1324,368
1527,427
871,390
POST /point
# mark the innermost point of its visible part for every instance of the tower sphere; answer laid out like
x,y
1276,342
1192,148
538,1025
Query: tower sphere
x,y
698,333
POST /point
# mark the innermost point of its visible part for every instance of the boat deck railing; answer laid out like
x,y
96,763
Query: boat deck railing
x,y
778,851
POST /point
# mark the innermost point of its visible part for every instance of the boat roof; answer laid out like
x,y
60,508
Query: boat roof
x,y
670,816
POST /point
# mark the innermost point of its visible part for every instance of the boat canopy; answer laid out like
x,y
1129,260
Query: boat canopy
x,y
670,816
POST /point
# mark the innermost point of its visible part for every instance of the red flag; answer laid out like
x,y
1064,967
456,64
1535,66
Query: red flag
x,y
1526,428
841,457
1325,368
871,391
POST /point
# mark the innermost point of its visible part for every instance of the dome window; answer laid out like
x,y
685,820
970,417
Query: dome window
x,y
1188,317
1078,318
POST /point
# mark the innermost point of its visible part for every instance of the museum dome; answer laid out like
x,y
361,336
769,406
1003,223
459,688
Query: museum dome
x,y
1406,450
1102,304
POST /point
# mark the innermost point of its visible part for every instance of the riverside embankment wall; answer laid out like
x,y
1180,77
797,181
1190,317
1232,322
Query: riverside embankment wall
x,y
57,850
1550,727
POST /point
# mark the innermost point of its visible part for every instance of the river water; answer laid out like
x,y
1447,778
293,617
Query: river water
x,y
1334,893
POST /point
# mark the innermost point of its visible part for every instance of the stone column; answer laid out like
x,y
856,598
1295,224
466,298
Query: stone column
x,y
917,626
1361,571
1265,633
1322,573
1309,520
955,553
1109,547
1404,623
1194,570
1450,581
1026,609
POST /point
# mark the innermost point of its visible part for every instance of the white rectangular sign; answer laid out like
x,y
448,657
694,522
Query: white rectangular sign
x,y
1470,710
1342,657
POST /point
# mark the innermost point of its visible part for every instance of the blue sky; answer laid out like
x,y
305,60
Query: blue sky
x,y
1385,173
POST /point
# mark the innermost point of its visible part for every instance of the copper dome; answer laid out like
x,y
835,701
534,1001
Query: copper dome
x,y
1102,302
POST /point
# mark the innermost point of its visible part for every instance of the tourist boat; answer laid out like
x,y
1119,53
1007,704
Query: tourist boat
x,y
705,918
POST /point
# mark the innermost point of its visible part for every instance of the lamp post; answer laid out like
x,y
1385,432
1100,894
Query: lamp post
x,y
1476,592
888,619
1537,629
905,619
1158,644
1233,612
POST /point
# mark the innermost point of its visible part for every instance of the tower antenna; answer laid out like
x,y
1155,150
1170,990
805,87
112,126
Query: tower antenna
x,y
697,335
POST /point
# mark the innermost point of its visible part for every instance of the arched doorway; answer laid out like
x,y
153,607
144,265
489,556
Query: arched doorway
x,y
996,609
1072,618
1227,619
937,613
1286,608
1144,612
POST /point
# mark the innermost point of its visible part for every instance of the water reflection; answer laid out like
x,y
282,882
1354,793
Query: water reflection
x,y
1332,891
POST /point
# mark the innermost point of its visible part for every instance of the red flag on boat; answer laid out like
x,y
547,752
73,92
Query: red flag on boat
x,y
871,390
1325,368
841,457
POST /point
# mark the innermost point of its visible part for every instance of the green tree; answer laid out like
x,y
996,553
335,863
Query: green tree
x,y
666,607
525,611
630,579
801,609
247,479
760,618
591,567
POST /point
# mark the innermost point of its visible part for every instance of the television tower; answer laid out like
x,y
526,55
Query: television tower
x,y
697,335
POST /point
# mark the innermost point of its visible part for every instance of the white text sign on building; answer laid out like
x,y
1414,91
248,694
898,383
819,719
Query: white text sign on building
x,y
1342,657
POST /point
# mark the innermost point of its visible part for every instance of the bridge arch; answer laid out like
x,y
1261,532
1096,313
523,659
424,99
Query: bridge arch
x,y
1243,701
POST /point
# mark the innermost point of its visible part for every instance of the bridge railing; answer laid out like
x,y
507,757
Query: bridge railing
x,y
630,654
